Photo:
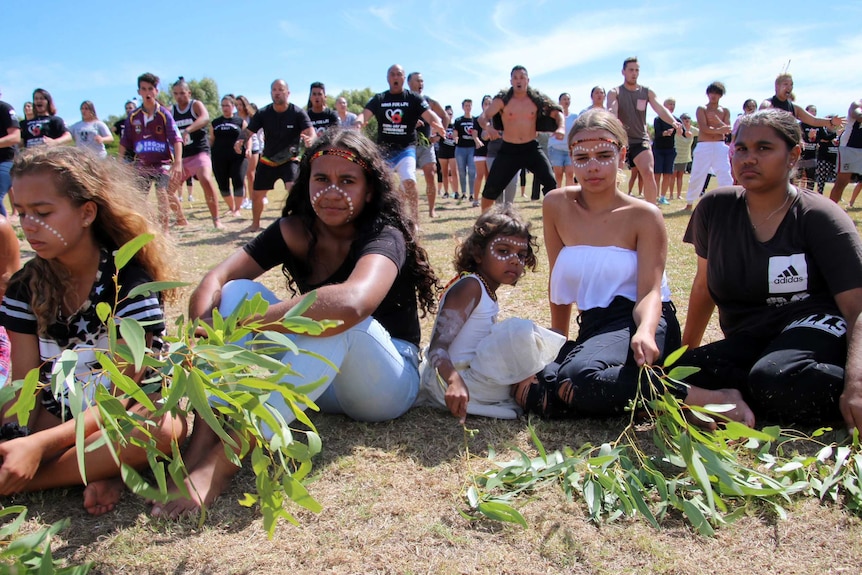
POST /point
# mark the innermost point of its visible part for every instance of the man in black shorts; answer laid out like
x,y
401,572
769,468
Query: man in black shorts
x,y
285,126
521,112
628,102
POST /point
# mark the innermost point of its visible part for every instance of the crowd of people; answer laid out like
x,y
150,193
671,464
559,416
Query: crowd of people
x,y
781,263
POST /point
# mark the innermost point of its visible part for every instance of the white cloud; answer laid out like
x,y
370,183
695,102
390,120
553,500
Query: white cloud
x,y
384,14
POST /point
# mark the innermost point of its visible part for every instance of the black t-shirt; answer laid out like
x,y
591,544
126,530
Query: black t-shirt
x,y
785,105
225,133
8,119
464,127
760,287
281,130
398,312
827,149
320,121
809,145
119,128
662,142
397,115
198,142
32,131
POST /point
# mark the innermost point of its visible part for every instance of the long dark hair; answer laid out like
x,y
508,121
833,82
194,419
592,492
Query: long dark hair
x,y
383,209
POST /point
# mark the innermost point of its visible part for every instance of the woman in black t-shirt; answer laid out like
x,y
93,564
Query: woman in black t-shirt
x,y
784,268
228,166
342,233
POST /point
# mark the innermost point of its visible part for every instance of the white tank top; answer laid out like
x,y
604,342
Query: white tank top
x,y
592,276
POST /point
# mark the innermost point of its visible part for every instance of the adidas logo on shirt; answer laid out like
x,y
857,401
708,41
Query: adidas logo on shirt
x,y
788,274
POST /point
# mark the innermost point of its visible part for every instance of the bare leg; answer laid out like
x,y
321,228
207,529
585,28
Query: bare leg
x,y
205,176
210,472
856,189
257,197
430,171
644,163
841,181
411,199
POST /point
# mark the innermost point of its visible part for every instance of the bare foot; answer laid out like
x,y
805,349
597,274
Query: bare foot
x,y
182,222
251,229
101,496
741,412
218,225
236,214
205,483
688,207
432,214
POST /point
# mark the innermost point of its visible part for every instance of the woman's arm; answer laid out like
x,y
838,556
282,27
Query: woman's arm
x,y
460,301
651,257
700,307
850,404
561,314
207,295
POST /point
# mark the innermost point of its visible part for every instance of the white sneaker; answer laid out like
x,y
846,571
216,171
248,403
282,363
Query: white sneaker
x,y
246,204
191,198
265,201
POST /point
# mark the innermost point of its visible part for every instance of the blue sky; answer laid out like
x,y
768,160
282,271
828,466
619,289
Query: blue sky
x,y
94,50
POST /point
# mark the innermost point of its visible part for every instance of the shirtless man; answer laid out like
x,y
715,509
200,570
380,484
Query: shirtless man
x,y
522,112
628,102
192,119
397,110
425,157
714,124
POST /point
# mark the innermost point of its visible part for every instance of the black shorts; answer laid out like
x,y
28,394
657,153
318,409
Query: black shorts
x,y
634,151
265,176
446,152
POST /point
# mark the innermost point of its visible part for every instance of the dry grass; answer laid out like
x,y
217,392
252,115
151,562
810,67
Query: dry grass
x,y
391,492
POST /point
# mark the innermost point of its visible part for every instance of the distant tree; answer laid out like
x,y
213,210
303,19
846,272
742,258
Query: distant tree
x,y
205,90
356,100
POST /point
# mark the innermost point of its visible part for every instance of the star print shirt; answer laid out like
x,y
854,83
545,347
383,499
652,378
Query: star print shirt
x,y
83,332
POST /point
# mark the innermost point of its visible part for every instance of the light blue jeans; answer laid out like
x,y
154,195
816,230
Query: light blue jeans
x,y
377,377
5,184
466,167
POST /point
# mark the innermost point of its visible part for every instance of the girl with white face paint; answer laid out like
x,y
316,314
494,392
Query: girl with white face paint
x,y
472,364
343,234
75,211
607,253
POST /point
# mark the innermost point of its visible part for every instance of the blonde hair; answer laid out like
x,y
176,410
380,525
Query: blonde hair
x,y
121,215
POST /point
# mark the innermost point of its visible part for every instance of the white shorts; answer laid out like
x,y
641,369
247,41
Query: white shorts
x,y
849,160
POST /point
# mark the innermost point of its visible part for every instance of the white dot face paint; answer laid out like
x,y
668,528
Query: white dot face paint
x,y
332,188
512,248
603,153
39,221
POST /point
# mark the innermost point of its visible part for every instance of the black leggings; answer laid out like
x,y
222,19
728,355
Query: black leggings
x,y
229,168
596,375
513,157
795,376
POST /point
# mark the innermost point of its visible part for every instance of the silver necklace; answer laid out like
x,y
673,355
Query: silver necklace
x,y
787,196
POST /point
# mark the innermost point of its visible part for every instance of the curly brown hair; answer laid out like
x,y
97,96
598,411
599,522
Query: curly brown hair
x,y
121,216
498,221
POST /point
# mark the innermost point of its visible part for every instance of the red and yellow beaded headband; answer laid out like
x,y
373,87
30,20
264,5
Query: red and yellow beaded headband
x,y
341,153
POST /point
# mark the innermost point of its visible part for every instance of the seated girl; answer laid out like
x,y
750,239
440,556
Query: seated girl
x,y
477,360
10,261
342,233
75,210
784,267
607,253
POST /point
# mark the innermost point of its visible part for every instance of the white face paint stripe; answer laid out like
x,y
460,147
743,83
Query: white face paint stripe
x,y
514,243
37,220
600,147
319,194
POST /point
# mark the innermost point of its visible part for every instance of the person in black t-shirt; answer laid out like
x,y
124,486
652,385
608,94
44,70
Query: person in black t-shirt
x,y
285,127
10,135
397,110
120,125
321,117
344,234
45,128
228,164
784,268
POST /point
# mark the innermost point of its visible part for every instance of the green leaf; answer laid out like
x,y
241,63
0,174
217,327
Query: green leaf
x,y
128,250
148,288
696,518
680,372
302,306
299,495
537,443
674,356
135,337
198,399
103,311
502,512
